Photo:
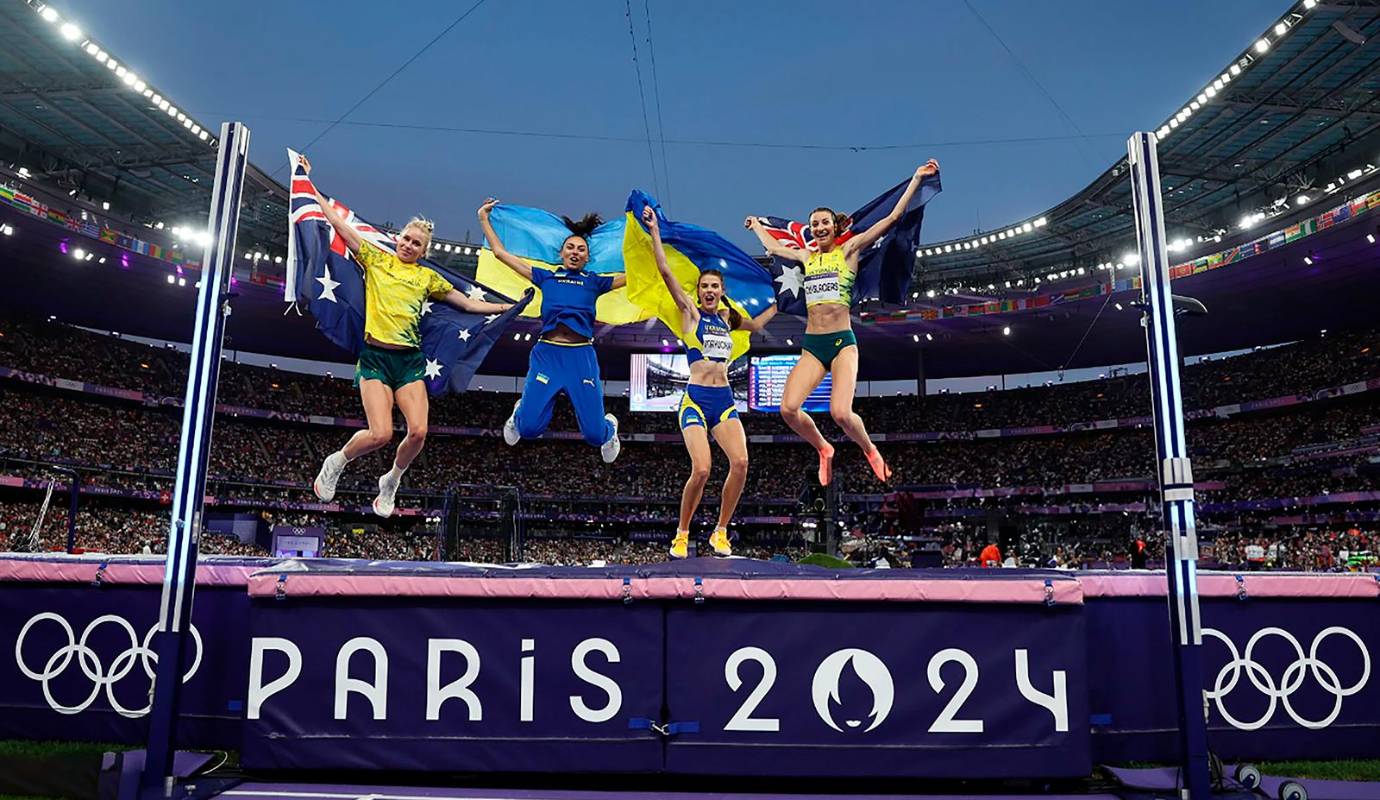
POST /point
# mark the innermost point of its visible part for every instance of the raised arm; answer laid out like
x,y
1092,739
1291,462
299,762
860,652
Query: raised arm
x,y
346,233
774,247
620,280
464,302
683,301
757,323
865,239
500,252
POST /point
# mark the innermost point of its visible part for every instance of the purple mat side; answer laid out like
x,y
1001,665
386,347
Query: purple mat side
x,y
1166,779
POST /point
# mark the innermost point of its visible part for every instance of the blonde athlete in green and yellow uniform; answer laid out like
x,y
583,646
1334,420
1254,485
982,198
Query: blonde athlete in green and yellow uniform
x,y
830,345
391,366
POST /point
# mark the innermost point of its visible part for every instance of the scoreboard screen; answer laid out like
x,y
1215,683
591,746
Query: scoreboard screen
x,y
767,380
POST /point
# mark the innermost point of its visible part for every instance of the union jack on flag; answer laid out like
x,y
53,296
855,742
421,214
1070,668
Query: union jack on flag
x,y
884,270
323,274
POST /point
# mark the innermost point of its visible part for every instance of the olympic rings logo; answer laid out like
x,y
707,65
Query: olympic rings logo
x,y
91,664
1293,678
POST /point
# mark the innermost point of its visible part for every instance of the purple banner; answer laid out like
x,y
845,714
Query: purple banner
x,y
83,661
1284,678
369,683
878,689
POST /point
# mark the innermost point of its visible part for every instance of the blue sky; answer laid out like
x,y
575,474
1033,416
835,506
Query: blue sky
x,y
837,75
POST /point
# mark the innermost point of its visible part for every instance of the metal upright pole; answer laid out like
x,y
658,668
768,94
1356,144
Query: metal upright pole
x,y
198,411
73,502
1175,472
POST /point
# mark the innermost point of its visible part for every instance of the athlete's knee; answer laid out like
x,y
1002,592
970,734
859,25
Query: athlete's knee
x,y
377,437
842,416
416,433
738,464
791,410
699,472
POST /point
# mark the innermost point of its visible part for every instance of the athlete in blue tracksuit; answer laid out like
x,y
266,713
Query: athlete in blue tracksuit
x,y
564,359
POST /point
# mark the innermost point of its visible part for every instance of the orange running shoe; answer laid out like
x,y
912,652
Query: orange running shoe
x,y
879,467
826,464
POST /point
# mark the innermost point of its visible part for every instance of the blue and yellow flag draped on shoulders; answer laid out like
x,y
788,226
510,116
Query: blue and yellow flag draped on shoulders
x,y
322,273
690,249
536,237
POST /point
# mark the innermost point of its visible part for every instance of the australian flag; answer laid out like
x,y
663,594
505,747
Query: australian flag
x,y
322,273
884,269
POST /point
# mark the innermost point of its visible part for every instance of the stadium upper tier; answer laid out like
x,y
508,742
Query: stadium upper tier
x,y
1269,173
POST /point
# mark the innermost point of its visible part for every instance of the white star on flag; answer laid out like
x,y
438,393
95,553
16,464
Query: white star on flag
x,y
490,318
327,285
475,293
464,335
433,369
790,279
426,307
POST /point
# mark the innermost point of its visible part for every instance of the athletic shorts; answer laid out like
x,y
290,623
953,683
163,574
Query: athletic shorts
x,y
707,406
827,346
396,368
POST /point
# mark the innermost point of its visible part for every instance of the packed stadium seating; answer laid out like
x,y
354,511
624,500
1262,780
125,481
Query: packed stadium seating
x,y
584,510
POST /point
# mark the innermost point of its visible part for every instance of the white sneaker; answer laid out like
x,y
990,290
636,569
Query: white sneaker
x,y
324,485
610,449
510,431
388,487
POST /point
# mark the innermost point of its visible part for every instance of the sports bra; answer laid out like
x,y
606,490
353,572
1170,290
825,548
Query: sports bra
x,y
710,340
828,279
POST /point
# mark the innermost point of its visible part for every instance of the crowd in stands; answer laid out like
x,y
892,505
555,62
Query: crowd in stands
x,y
124,444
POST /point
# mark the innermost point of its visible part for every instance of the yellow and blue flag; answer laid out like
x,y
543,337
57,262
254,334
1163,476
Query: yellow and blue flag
x,y
536,237
689,250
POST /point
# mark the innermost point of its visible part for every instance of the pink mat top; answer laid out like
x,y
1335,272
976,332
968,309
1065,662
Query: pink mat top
x,y
1023,590
144,572
1321,585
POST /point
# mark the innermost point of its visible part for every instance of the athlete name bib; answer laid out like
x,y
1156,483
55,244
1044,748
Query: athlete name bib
x,y
822,287
717,346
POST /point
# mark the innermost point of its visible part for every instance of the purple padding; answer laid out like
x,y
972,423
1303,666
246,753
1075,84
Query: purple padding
x,y
313,791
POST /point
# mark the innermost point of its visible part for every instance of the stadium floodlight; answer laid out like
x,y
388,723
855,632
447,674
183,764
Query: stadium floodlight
x,y
1041,222
1173,123
1301,200
70,32
929,337
1308,259
1310,4
1217,84
172,110
181,281
929,293
1027,228
105,205
112,65
1247,221
1131,258
1370,237
49,14
121,72
1006,330
1354,174
1262,45
130,78
171,278
1201,100
91,48
1281,29
1210,91
790,343
1236,69
1118,306
79,254
204,135
915,337
1163,132
8,230
139,86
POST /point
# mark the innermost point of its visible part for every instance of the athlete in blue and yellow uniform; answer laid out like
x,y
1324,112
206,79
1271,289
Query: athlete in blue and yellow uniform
x,y
830,346
706,327
564,358
391,366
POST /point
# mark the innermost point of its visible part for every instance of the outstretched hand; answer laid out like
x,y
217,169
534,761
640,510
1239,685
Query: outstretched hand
x,y
487,207
930,167
306,165
649,219
751,223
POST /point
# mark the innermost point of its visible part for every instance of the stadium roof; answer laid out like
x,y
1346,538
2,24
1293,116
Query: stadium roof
x,y
1293,112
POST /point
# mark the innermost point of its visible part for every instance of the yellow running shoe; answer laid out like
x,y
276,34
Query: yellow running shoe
x,y
680,546
719,541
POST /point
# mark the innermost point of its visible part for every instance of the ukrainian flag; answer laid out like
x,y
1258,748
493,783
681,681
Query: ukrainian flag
x,y
689,249
536,237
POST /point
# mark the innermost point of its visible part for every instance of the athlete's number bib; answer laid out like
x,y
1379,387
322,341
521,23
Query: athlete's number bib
x,y
717,346
822,287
